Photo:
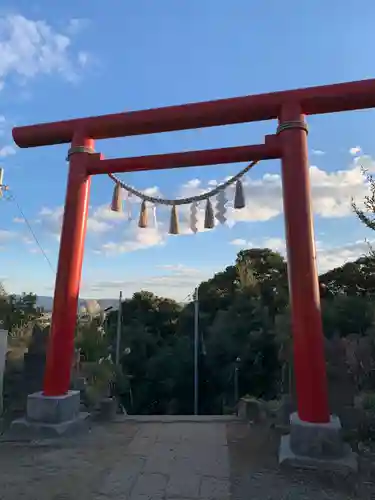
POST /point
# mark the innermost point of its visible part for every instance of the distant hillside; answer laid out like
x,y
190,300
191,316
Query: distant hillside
x,y
46,303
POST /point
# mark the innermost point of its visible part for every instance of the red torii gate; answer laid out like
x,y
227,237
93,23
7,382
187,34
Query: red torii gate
x,y
289,144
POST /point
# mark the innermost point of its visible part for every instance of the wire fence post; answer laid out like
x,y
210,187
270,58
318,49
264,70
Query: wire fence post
x,y
196,344
118,332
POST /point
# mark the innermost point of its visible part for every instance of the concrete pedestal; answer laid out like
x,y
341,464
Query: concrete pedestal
x,y
317,446
49,417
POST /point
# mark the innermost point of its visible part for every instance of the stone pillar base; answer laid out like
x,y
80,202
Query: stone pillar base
x,y
49,417
317,446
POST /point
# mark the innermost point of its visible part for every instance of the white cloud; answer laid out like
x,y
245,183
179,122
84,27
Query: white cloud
x,y
133,238
317,152
51,221
331,257
177,283
7,151
193,183
365,162
275,244
83,58
103,212
238,242
29,48
97,226
179,270
331,192
328,257
77,25
6,235
355,151
27,240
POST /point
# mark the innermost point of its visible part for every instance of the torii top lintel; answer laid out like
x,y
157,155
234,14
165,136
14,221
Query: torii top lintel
x,y
313,100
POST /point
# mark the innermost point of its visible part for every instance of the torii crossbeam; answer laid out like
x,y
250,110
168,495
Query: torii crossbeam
x,y
289,144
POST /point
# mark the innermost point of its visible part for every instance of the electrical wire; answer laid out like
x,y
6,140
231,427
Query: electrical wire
x,y
10,196
189,296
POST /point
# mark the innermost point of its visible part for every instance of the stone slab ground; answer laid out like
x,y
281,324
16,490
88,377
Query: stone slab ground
x,y
161,459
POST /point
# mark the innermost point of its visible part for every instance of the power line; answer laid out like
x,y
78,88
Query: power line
x,y
188,296
11,197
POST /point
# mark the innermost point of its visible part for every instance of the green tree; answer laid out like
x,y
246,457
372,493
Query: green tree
x,y
243,313
269,270
244,330
17,311
148,344
92,342
346,315
352,279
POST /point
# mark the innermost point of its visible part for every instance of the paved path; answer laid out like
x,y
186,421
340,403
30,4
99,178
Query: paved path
x,y
155,458
175,460
134,461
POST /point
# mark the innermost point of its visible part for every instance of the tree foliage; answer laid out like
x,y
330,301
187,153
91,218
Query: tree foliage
x,y
244,324
17,310
353,279
244,318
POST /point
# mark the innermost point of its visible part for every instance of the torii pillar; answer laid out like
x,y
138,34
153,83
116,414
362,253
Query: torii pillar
x,y
314,433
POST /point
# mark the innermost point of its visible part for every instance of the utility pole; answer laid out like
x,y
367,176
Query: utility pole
x,y
236,386
196,347
118,333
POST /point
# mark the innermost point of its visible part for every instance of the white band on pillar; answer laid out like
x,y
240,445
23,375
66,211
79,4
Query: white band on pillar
x,y
292,124
79,149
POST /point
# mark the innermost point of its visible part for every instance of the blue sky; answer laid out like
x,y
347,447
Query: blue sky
x,y
69,59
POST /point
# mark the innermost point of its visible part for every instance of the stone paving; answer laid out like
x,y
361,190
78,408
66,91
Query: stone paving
x,y
135,461
163,458
175,460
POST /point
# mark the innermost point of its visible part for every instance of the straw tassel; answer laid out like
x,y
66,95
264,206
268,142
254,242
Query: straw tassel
x,y
239,197
116,205
173,226
143,216
209,221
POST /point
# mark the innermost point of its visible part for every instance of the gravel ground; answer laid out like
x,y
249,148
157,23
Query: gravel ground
x,y
63,470
253,452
